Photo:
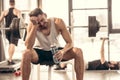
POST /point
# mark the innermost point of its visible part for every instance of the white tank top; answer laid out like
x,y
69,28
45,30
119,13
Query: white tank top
x,y
45,42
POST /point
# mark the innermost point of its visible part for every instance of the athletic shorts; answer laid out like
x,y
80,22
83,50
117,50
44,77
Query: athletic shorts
x,y
12,36
45,57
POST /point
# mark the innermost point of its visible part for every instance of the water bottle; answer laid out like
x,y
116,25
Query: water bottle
x,y
54,50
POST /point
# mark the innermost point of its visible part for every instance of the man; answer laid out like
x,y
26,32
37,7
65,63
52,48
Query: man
x,y
12,36
46,31
102,64
61,66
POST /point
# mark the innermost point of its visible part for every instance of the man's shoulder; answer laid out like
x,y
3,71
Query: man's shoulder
x,y
5,12
54,18
58,20
17,10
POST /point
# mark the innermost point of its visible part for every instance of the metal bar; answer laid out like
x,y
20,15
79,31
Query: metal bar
x,y
109,25
4,28
90,8
69,14
2,51
39,3
9,28
85,26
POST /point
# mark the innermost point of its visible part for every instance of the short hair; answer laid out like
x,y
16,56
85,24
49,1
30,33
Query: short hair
x,y
35,12
12,1
116,66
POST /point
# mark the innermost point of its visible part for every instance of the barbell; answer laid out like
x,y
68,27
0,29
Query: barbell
x,y
16,25
10,29
93,26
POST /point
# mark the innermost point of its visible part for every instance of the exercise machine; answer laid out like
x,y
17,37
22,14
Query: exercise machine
x,y
4,67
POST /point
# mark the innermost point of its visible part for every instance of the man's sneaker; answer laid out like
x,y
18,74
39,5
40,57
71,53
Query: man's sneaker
x,y
11,62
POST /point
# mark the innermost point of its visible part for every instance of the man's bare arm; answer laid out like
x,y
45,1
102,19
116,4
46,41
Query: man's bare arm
x,y
31,34
102,52
65,34
1,17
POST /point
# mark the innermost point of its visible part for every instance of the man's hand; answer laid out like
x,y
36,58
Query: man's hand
x,y
34,20
59,55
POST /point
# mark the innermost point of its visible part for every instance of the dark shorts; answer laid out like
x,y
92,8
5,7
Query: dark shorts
x,y
45,57
12,36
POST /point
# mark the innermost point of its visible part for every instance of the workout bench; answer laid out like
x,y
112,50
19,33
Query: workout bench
x,y
50,64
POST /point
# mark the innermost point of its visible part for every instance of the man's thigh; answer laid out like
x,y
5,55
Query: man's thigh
x,y
69,54
43,56
35,57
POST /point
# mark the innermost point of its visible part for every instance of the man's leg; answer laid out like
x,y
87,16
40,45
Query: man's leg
x,y
61,66
11,51
11,47
28,57
77,55
13,42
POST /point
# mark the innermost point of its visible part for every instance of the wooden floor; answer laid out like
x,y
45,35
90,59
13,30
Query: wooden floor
x,y
65,75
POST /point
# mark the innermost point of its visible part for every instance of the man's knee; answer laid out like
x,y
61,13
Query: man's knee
x,y
78,52
26,54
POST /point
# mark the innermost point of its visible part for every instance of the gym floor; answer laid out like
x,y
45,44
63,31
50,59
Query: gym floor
x,y
65,75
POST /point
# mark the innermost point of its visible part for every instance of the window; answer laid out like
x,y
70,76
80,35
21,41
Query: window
x,y
56,8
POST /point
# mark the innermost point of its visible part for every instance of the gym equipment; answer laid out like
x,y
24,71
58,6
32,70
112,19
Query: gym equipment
x,y
50,69
4,67
17,73
16,25
93,26
2,52
104,38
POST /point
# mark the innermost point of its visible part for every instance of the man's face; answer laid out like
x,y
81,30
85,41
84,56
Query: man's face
x,y
42,20
112,64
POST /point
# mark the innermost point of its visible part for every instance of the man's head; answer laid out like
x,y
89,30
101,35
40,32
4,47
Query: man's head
x,y
12,2
36,12
40,16
113,65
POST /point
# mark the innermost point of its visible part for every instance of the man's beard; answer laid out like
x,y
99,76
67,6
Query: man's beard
x,y
42,27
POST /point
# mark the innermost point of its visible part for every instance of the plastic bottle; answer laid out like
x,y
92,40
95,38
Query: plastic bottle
x,y
54,50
